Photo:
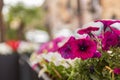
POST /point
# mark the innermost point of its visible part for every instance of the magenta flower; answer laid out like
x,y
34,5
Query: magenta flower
x,y
107,23
114,30
51,46
110,39
85,48
58,39
44,48
117,33
116,71
66,50
87,30
97,54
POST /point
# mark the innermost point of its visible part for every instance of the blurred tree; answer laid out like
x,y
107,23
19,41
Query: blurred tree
x,y
21,18
2,30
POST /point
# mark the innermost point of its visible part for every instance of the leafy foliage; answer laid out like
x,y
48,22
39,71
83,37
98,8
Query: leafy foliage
x,y
58,72
97,69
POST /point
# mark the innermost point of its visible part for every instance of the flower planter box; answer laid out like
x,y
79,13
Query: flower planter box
x,y
9,67
26,72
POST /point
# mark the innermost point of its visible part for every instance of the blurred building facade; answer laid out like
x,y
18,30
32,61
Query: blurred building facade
x,y
70,14
73,14
110,9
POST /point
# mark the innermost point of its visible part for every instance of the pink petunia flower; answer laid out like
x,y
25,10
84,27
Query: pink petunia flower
x,y
114,30
117,33
85,48
97,54
116,71
43,48
87,30
110,39
107,23
66,50
51,46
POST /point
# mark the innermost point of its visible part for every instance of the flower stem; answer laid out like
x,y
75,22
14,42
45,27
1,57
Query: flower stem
x,y
113,76
111,71
57,73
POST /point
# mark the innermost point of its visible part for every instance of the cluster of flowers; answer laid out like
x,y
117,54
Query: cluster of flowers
x,y
102,38
87,47
13,46
49,61
93,54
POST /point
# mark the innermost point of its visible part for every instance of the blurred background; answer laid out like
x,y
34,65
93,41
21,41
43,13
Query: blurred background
x,y
34,20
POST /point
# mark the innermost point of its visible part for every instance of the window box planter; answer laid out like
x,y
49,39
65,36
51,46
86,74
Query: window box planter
x,y
9,67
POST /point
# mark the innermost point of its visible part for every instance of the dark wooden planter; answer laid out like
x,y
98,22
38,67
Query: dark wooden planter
x,y
26,72
9,67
